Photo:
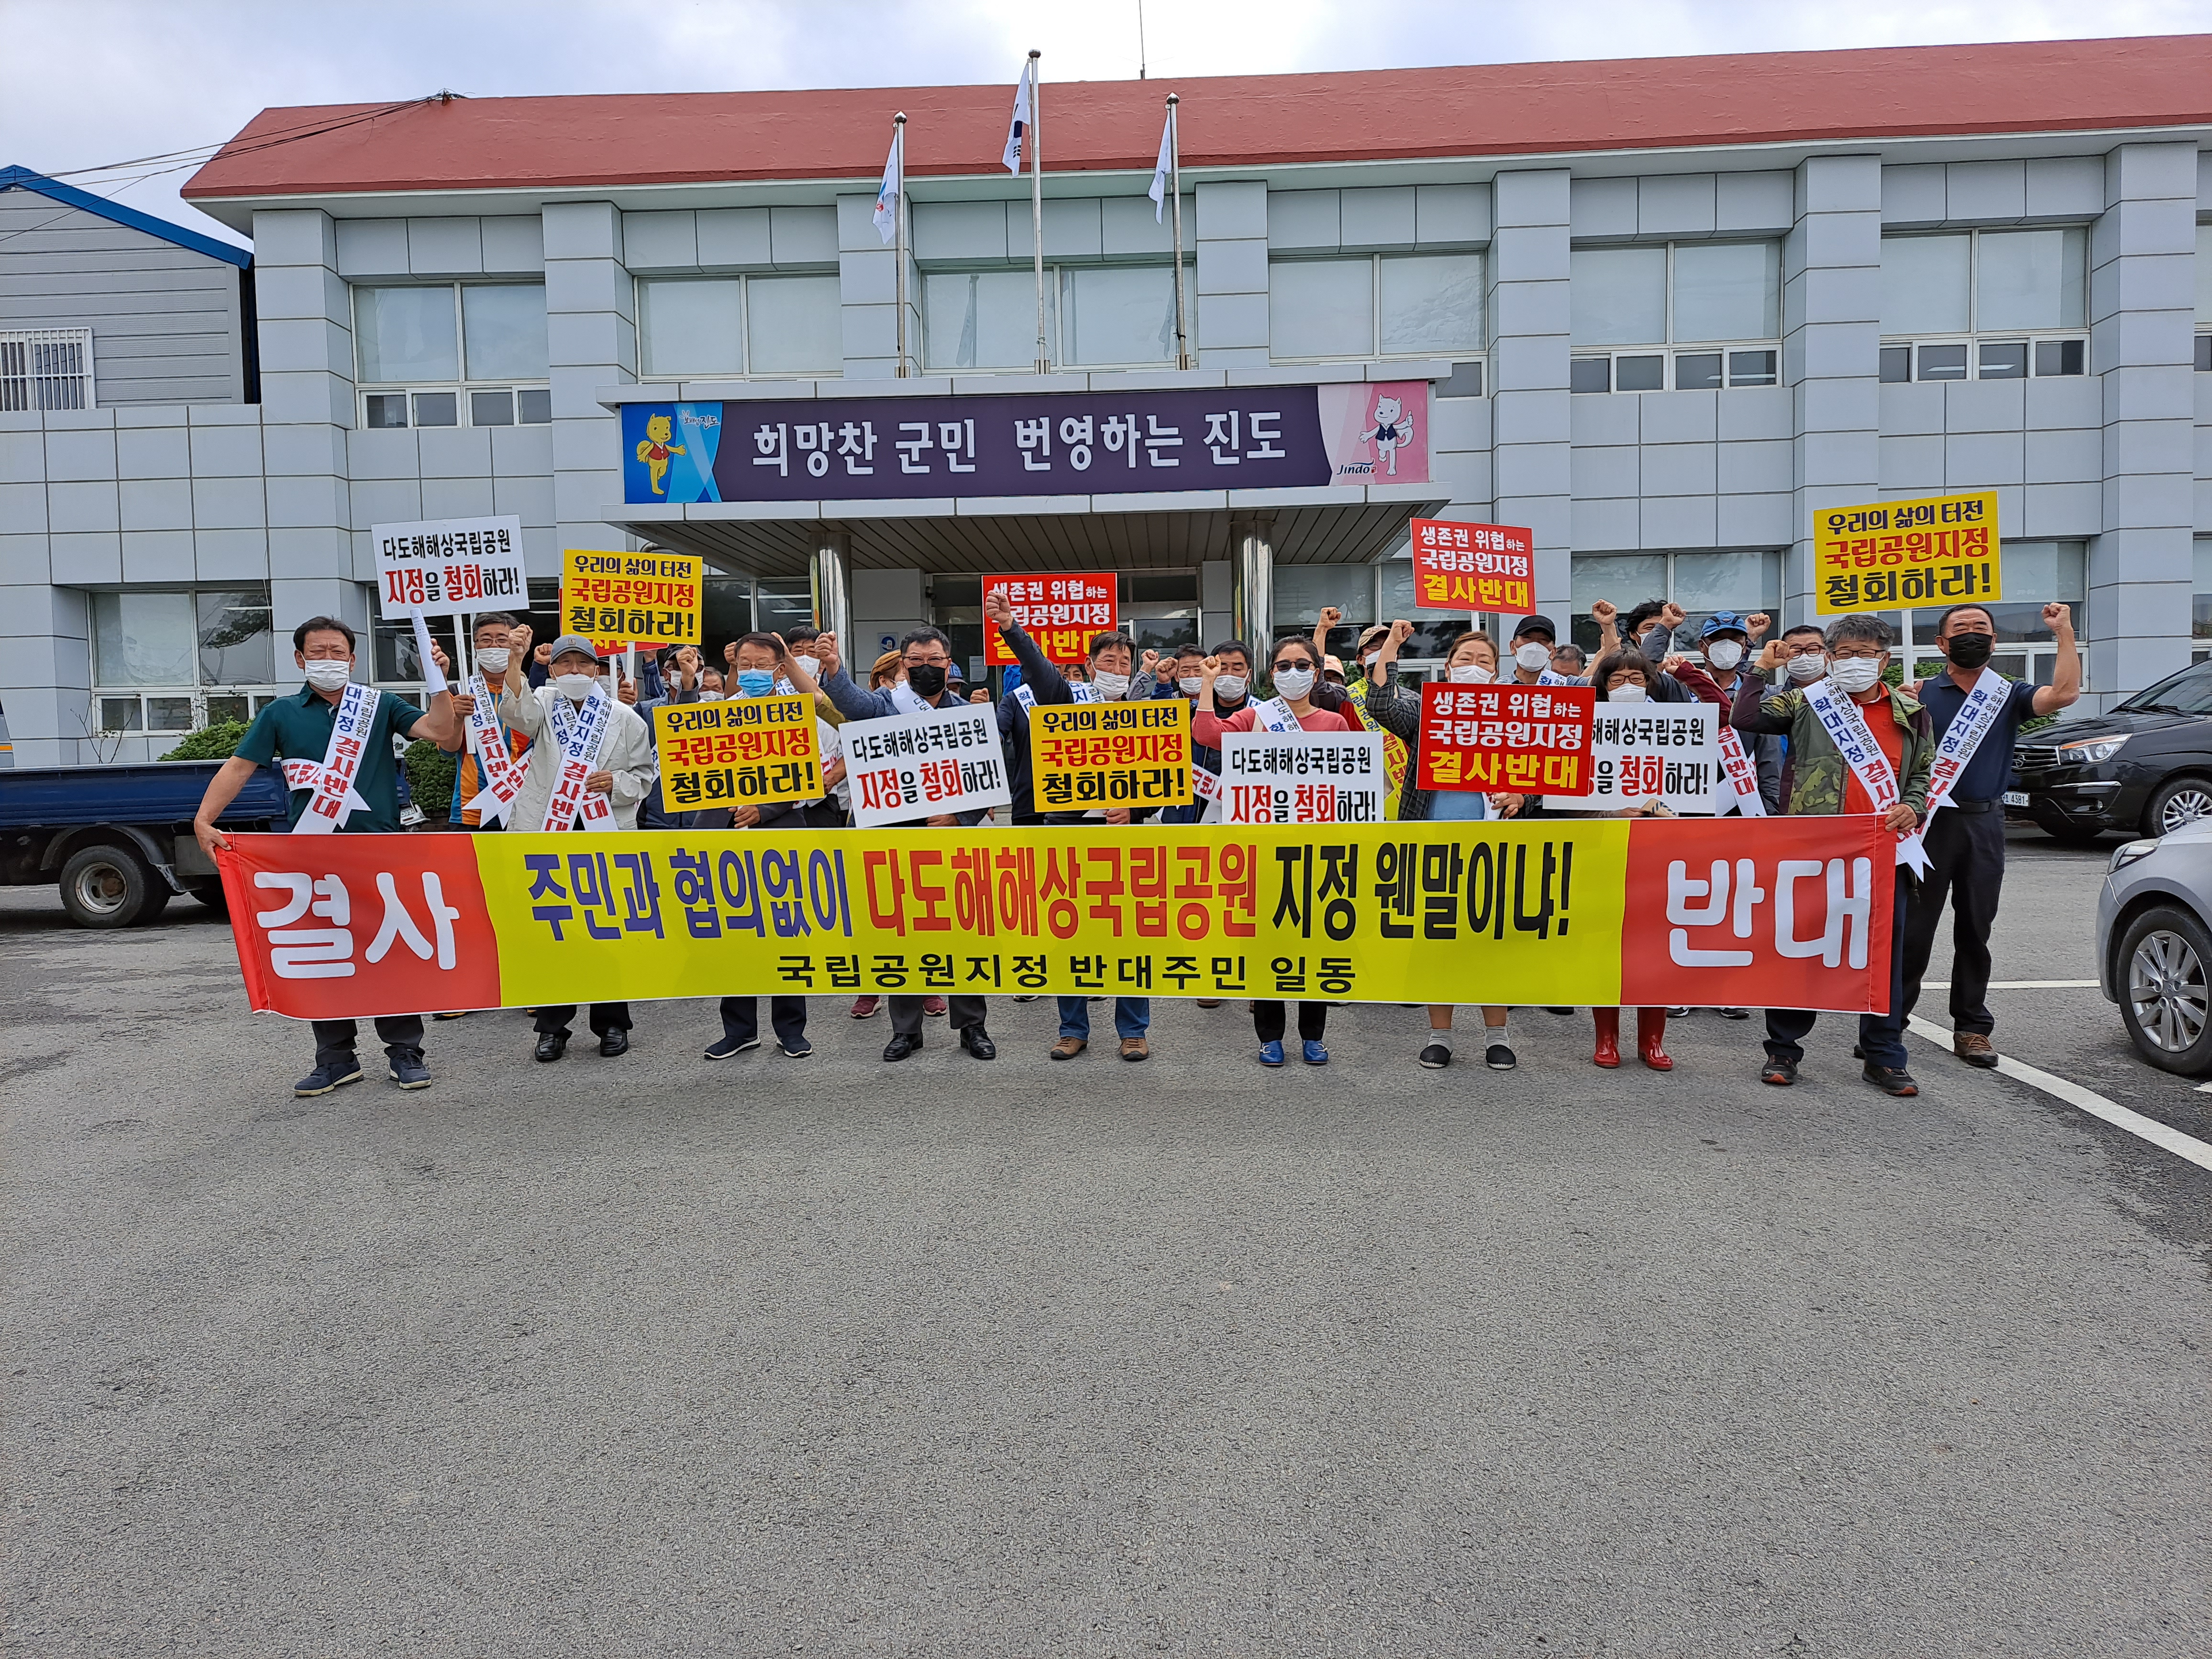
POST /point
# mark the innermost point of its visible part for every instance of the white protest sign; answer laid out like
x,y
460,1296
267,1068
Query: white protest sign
x,y
1640,751
929,764
448,567
1302,777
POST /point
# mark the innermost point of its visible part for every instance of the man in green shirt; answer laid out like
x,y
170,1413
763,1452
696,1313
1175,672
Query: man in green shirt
x,y
298,729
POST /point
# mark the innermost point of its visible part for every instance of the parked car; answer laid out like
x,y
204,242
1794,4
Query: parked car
x,y
2144,767
118,839
2154,946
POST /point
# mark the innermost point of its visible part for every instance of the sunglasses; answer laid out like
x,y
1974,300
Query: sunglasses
x,y
1289,665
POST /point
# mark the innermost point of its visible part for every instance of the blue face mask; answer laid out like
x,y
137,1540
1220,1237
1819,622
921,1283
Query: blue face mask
x,y
756,682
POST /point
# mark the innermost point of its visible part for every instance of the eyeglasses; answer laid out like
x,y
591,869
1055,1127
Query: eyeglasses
x,y
1803,648
926,662
1289,665
1843,653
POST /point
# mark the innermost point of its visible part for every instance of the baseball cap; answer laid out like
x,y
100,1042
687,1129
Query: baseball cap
x,y
1538,624
575,642
1332,665
1725,622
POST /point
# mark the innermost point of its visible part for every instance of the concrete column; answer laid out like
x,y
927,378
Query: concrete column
x,y
1229,292
1831,351
1254,577
2141,320
591,337
1532,455
828,568
867,290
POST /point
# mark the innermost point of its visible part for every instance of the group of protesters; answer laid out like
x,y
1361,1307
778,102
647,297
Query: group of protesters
x,y
1788,705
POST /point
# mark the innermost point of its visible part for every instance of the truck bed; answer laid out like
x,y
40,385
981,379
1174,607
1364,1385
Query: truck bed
x,y
156,792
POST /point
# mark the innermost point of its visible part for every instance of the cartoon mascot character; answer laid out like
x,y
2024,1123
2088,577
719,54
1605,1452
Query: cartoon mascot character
x,y
655,449
1393,426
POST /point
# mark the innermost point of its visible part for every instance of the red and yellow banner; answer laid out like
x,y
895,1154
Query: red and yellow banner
x,y
1794,914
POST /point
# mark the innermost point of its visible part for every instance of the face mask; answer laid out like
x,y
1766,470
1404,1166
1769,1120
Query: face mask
x,y
1969,650
1111,687
1188,684
811,665
710,697
927,681
1231,686
1853,675
1535,656
1291,684
756,682
1470,673
574,687
493,660
1724,654
1627,694
325,674
1807,669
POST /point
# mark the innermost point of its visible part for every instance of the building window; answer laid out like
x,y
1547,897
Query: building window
x,y
2035,573
173,661
1384,305
2204,298
1986,304
699,327
1633,309
1701,583
1096,317
2200,627
453,354
44,368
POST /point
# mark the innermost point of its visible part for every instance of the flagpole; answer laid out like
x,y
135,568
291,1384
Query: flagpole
x,y
898,241
1036,208
1175,188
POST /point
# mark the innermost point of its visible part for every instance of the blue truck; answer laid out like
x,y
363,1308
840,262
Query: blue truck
x,y
118,839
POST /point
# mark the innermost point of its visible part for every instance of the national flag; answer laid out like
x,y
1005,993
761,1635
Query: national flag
x,y
1018,130
1162,171
887,199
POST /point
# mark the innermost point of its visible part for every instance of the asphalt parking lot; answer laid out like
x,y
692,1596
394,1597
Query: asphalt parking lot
x,y
650,1357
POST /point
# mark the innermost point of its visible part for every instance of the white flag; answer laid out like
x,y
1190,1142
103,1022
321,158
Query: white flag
x,y
887,199
1018,130
1161,170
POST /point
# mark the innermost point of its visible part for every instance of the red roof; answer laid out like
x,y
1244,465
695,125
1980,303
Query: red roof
x,y
1231,121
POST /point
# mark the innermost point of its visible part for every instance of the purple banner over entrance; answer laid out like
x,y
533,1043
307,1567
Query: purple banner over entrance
x,y
1057,443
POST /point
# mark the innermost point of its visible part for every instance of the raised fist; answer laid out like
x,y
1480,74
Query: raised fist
x,y
997,609
1602,611
1756,625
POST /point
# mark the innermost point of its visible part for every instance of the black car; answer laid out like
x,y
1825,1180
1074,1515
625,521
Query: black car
x,y
2141,768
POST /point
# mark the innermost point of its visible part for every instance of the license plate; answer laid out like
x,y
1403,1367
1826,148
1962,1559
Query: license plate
x,y
2016,798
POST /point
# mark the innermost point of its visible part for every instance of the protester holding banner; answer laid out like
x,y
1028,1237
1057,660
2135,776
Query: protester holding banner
x,y
590,765
1856,745
1571,662
1976,714
491,751
334,740
1725,638
1534,640
1167,674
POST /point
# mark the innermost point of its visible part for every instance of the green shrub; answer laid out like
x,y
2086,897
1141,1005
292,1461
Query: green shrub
x,y
218,741
430,772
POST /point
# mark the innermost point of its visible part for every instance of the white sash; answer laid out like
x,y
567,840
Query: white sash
x,y
503,778
1082,691
1738,775
579,737
1274,715
1027,698
1964,736
1546,677
908,703
1847,729
336,799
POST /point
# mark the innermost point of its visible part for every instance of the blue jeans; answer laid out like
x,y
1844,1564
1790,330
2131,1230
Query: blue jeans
x,y
1133,1017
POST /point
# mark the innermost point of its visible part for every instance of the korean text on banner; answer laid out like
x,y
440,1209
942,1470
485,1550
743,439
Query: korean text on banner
x,y
904,768
1528,739
1599,911
1936,550
1473,567
1302,777
743,751
1669,752
1061,612
447,567
1083,755
617,599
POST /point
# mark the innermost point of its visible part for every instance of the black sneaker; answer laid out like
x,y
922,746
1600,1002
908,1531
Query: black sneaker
x,y
1435,1056
324,1079
1779,1072
723,1048
408,1070
1499,1057
801,1052
1732,1013
1891,1081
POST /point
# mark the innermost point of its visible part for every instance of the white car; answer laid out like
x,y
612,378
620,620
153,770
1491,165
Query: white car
x,y
2154,946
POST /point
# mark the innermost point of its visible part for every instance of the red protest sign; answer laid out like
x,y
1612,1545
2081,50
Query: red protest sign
x,y
1529,739
1473,566
1062,612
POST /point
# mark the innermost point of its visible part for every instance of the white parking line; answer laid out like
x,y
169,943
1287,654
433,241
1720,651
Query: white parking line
x,y
2020,985
2086,1100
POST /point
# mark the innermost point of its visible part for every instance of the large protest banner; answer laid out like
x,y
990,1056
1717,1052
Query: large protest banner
x,y
1885,556
1601,911
1083,755
742,752
1062,613
1525,740
618,599
446,567
1473,566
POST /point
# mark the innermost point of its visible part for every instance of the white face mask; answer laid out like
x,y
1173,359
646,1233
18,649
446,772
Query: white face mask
x,y
1627,694
1111,687
1807,669
1724,654
1853,675
1470,673
1291,684
574,687
493,660
1188,684
1535,656
327,674
811,665
1231,686
710,697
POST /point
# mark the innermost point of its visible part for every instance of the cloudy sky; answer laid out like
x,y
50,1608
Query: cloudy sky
x,y
168,75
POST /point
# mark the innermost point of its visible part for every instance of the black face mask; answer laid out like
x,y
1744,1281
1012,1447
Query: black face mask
x,y
927,681
1968,650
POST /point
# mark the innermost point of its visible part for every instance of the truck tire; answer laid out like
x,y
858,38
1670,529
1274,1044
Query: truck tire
x,y
109,886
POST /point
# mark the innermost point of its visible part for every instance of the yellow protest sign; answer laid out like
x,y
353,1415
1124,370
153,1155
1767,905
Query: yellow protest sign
x,y
745,752
1901,556
616,599
1083,755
